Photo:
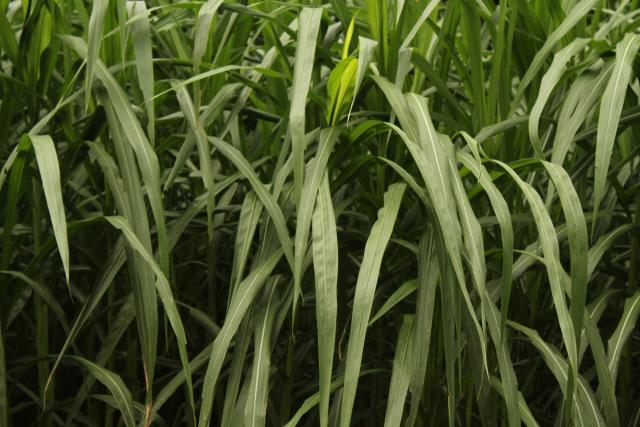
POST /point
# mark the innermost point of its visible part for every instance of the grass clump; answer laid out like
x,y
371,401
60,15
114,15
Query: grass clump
x,y
303,213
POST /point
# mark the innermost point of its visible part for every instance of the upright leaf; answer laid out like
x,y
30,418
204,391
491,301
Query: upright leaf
x,y
610,110
308,26
96,28
325,266
363,299
623,332
400,373
237,308
47,159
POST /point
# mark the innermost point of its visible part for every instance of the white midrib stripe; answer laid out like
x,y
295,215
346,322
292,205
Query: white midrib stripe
x,y
617,79
570,206
127,109
624,324
566,379
531,193
467,220
357,334
432,145
314,177
260,347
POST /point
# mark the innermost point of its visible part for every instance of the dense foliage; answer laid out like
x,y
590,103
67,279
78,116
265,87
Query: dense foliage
x,y
416,212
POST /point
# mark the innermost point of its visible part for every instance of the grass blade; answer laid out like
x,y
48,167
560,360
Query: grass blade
x,y
549,81
256,405
164,291
325,266
116,386
503,215
47,159
237,309
317,168
400,374
586,407
396,297
428,273
527,416
366,51
363,300
203,28
265,197
549,242
623,332
94,41
141,35
308,24
610,110
46,295
247,224
606,389
574,16
204,152
578,242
